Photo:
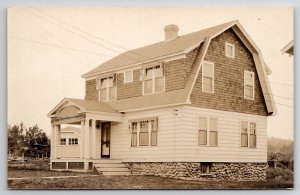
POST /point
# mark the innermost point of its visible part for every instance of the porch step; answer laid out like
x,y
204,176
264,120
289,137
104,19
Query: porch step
x,y
111,167
116,173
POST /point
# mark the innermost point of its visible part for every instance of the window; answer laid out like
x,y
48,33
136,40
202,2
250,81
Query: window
x,y
205,167
249,85
153,132
248,134
229,50
128,76
63,141
153,81
202,131
73,141
208,77
107,88
208,131
144,132
134,134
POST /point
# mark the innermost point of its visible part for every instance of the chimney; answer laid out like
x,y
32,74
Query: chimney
x,y
171,32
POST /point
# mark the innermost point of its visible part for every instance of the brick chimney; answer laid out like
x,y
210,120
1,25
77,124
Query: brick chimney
x,y
171,32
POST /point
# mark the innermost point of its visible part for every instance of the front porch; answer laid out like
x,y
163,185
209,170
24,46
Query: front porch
x,y
93,142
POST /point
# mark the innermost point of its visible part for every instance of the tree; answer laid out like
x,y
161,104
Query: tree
x,y
32,142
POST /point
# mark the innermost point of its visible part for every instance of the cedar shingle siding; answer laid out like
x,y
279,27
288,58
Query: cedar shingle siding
x,y
91,93
129,90
229,79
177,71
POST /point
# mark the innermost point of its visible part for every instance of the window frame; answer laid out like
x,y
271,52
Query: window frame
x,y
213,77
227,52
153,78
70,141
124,76
107,87
248,134
208,131
253,84
208,166
150,128
60,142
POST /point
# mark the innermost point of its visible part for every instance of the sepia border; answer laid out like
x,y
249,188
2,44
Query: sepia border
x,y
3,71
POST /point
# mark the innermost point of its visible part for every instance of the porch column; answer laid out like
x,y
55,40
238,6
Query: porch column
x,y
82,140
56,140
94,139
52,141
87,139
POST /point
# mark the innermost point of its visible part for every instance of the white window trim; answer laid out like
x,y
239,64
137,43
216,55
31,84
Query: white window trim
x,y
213,77
233,50
208,131
153,84
124,73
107,93
248,133
138,135
253,83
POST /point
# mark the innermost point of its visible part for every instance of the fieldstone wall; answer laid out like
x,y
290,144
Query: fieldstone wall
x,y
191,170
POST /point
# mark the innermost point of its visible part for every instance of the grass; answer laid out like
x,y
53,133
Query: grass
x,y
129,182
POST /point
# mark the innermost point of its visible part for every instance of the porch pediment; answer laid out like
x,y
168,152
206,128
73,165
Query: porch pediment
x,y
74,110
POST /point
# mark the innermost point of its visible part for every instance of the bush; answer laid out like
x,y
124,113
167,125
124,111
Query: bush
x,y
280,173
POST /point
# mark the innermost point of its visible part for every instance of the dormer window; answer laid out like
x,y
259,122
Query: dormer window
x,y
107,88
229,50
154,80
128,76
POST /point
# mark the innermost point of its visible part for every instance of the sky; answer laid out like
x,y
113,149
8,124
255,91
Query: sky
x,y
49,48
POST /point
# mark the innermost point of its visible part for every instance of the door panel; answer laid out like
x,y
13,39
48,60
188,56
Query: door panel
x,y
105,139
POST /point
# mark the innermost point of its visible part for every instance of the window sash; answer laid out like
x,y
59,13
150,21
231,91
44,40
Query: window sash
x,y
148,86
63,141
144,139
208,77
244,140
213,138
134,139
128,76
202,137
229,50
248,85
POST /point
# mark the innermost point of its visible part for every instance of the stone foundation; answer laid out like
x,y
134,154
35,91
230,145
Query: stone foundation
x,y
192,170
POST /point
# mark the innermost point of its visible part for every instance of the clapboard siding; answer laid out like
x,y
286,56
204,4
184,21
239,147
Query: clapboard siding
x,y
229,142
122,137
181,143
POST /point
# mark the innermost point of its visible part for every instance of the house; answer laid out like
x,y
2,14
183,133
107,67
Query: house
x,y
192,106
288,49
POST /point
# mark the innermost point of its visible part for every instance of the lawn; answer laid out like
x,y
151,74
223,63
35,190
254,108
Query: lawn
x,y
127,182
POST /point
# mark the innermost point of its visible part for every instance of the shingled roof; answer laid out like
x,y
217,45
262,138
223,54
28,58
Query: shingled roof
x,y
157,50
164,49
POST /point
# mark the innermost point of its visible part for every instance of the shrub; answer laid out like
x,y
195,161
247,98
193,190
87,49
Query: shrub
x,y
280,173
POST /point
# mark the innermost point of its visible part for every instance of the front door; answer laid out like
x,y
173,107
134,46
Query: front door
x,y
105,140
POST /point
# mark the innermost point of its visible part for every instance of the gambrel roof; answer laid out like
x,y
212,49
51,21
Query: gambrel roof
x,y
179,46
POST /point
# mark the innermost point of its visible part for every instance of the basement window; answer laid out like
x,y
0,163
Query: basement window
x,y
205,167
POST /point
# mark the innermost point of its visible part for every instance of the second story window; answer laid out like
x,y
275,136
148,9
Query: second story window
x,y
208,77
73,141
153,80
128,76
249,85
107,88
